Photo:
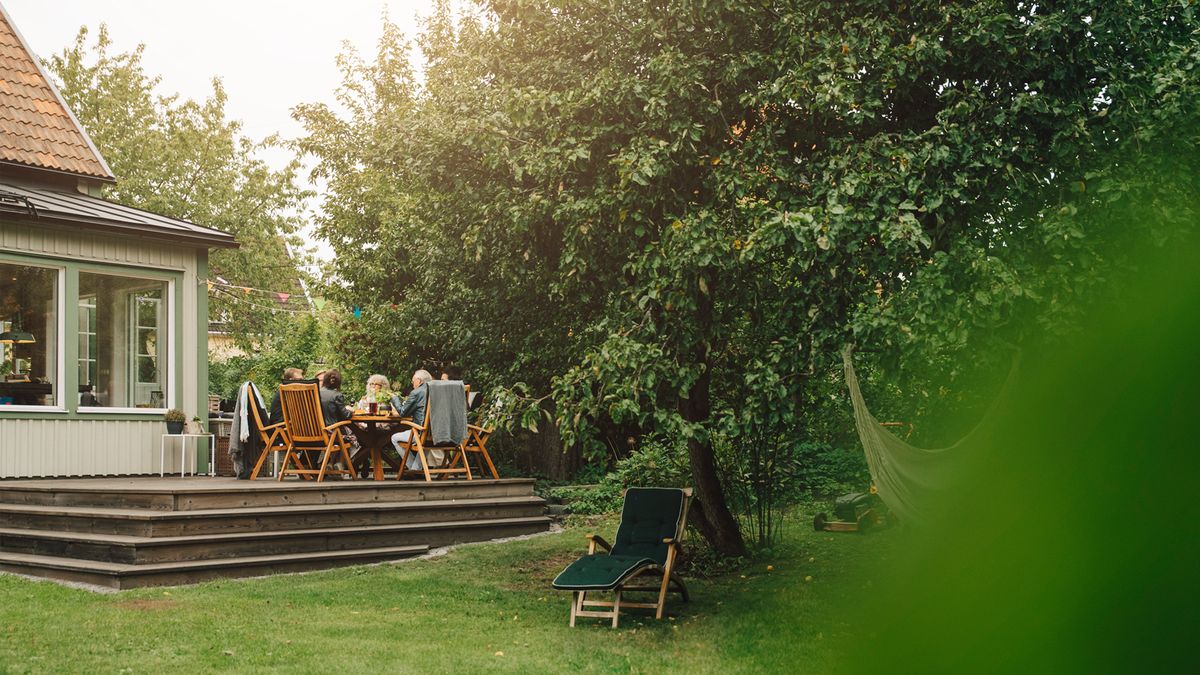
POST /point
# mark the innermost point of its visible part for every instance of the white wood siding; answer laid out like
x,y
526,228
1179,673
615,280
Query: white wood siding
x,y
74,447
49,447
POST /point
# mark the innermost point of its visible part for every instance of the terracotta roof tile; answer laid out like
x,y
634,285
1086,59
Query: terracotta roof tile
x,y
36,128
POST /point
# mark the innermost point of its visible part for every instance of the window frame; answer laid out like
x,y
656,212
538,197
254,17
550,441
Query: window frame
x,y
169,399
60,295
67,406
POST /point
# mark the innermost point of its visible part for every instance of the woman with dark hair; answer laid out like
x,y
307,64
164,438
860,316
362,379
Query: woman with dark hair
x,y
333,405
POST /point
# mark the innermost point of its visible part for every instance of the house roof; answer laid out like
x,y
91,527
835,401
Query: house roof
x,y
37,129
80,211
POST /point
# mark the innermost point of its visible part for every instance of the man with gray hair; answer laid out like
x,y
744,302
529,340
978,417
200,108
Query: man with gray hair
x,y
414,407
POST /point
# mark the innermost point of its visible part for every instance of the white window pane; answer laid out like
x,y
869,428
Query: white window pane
x,y
127,343
29,310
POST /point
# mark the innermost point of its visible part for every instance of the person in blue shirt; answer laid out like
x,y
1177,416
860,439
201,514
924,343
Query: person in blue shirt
x,y
414,406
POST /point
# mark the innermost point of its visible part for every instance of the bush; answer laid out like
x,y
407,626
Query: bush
x,y
656,464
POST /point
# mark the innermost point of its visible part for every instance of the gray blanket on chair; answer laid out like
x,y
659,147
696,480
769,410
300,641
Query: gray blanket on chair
x,y
448,406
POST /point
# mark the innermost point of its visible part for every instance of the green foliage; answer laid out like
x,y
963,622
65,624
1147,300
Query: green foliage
x,y
656,464
654,213
174,415
306,343
186,160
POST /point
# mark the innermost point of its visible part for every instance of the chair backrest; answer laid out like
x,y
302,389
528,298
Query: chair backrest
x,y
301,403
446,412
257,414
649,516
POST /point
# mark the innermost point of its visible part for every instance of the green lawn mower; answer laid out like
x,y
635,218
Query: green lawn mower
x,y
856,512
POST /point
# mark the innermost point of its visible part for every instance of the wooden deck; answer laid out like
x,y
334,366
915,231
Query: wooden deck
x,y
143,531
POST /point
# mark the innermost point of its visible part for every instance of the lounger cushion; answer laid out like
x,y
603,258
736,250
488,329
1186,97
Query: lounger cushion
x,y
649,516
599,572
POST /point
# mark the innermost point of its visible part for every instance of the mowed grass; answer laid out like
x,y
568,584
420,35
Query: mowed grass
x,y
485,607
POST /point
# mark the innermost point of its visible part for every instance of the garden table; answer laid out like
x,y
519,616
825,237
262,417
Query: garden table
x,y
374,433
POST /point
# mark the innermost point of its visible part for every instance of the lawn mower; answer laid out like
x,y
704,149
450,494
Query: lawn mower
x,y
855,512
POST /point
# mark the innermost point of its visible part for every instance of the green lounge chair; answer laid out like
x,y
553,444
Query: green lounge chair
x,y
647,542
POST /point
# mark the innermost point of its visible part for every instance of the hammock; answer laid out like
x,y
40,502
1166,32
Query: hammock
x,y
910,480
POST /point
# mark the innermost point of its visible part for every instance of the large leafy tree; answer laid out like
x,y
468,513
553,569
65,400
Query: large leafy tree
x,y
186,159
672,215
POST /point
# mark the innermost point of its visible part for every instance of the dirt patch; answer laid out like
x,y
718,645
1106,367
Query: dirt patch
x,y
538,573
149,605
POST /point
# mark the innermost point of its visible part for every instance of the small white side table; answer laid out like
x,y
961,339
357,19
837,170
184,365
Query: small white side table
x,y
183,438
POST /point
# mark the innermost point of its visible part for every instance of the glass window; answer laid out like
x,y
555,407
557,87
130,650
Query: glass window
x,y
123,325
28,335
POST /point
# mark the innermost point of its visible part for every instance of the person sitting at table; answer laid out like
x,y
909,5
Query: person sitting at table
x,y
333,404
375,384
414,407
289,375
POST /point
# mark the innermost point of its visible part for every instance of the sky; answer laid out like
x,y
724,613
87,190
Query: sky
x,y
270,54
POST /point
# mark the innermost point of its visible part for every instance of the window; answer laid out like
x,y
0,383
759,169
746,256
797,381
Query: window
x,y
29,331
87,342
126,337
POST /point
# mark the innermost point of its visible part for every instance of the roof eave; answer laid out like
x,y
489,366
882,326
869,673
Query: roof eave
x,y
108,180
116,227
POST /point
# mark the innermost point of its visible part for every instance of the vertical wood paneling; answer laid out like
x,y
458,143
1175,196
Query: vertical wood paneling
x,y
87,246
30,448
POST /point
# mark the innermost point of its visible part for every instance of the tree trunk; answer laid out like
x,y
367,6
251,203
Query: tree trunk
x,y
713,518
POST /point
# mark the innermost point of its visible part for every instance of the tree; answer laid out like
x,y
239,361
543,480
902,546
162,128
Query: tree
x,y
709,199
185,160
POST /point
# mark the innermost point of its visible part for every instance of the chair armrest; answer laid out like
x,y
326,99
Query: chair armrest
x,y
276,434
338,425
476,427
273,426
413,425
595,540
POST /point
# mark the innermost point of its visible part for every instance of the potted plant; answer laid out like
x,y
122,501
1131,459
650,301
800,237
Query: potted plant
x,y
384,398
193,427
174,419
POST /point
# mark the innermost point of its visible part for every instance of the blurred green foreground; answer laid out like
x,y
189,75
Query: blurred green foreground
x,y
1072,545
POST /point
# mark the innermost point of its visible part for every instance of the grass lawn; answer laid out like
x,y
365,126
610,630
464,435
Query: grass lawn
x,y
480,607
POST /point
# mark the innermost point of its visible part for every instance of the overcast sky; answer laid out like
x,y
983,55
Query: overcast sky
x,y
270,54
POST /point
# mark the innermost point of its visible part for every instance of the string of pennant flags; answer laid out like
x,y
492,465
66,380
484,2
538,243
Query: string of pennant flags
x,y
241,299
247,290
243,294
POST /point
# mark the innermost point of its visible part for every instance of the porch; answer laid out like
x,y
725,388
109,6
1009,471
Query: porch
x,y
149,531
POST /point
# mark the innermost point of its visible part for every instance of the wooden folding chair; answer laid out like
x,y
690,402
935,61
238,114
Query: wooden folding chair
x,y
476,443
420,441
648,541
306,431
273,436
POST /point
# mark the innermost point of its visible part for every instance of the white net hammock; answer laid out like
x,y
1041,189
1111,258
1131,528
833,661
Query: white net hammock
x,y
910,480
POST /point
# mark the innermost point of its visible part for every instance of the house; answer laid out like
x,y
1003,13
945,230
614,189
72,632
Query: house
x,y
103,307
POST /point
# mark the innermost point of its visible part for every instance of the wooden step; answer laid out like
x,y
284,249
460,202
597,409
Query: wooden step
x,y
155,523
121,576
126,549
176,494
